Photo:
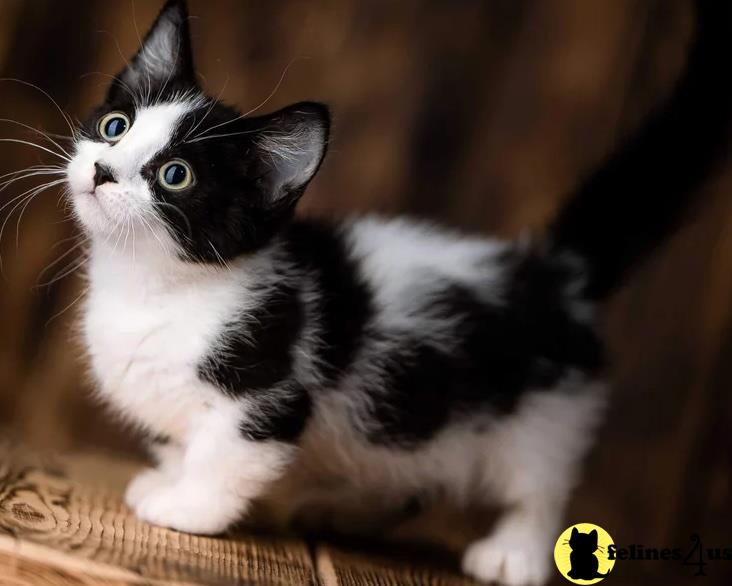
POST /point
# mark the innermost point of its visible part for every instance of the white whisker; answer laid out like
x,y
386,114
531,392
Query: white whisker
x,y
260,105
54,153
221,258
65,116
208,111
126,87
69,306
180,212
68,270
40,132
63,256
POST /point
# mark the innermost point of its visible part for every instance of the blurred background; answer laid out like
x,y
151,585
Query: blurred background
x,y
480,115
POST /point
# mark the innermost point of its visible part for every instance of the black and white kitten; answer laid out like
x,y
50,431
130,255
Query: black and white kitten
x,y
383,358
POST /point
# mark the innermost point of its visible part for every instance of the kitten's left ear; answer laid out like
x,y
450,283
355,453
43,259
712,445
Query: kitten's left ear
x,y
165,58
288,148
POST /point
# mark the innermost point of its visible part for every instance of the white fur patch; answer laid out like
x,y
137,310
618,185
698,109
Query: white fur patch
x,y
112,210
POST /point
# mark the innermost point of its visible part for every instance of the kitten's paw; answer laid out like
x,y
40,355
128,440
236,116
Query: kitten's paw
x,y
186,509
500,561
144,483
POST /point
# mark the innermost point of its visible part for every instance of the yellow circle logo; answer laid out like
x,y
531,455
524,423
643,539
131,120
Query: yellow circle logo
x,y
581,553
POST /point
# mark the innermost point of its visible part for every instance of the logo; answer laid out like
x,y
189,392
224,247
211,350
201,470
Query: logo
x,y
581,553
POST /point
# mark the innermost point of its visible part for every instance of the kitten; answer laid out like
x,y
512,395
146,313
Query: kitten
x,y
384,358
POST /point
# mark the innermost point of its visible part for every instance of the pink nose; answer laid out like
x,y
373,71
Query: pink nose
x,y
102,174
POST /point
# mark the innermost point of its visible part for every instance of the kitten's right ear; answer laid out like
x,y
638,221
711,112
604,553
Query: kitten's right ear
x,y
165,59
574,532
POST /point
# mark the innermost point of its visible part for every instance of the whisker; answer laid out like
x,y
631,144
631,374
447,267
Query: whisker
x,y
68,270
134,253
44,185
40,132
60,258
180,212
154,233
127,234
126,87
65,116
206,137
69,306
260,105
221,258
210,107
134,22
54,153
21,199
54,168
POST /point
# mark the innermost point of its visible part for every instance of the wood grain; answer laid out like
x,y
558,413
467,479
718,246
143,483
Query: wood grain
x,y
62,521
48,517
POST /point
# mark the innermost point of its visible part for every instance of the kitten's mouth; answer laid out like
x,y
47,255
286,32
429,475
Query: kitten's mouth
x,y
93,198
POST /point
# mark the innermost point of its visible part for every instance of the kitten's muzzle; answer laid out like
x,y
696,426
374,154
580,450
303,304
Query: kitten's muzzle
x,y
102,174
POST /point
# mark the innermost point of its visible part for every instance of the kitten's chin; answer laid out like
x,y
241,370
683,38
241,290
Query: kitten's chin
x,y
91,215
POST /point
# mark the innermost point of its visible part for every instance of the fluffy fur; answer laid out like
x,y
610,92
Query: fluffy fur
x,y
371,357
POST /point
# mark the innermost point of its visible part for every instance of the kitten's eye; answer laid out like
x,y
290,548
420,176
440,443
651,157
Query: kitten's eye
x,y
175,175
114,126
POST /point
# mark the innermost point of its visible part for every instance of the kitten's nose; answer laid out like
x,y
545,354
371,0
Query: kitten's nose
x,y
102,174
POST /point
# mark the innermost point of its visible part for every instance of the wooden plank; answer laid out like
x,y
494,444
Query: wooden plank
x,y
82,529
337,566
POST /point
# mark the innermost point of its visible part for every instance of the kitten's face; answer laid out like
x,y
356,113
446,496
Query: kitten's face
x,y
185,173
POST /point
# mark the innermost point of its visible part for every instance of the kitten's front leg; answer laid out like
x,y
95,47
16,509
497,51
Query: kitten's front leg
x,y
168,456
221,471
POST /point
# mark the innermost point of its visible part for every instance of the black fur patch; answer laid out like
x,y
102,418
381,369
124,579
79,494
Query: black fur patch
x,y
281,415
256,351
345,304
256,363
502,351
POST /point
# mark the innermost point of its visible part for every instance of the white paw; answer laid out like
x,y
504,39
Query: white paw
x,y
146,482
500,561
179,507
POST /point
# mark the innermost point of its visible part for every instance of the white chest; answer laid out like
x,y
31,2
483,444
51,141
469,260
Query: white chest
x,y
146,341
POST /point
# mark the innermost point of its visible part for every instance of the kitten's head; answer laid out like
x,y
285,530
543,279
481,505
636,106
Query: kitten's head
x,y
583,542
182,170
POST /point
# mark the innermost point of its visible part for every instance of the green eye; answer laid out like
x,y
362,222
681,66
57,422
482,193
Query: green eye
x,y
114,126
175,175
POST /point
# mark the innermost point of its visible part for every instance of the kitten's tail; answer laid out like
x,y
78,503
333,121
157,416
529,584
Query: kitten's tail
x,y
642,193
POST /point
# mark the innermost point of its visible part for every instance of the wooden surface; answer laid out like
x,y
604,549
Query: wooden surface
x,y
62,521
70,518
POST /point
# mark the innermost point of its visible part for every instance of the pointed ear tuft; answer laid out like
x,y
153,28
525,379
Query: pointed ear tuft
x,y
291,145
165,57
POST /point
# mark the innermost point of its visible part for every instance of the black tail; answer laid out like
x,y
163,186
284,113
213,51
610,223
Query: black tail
x,y
643,192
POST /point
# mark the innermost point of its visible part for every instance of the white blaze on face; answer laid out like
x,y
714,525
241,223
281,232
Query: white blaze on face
x,y
114,206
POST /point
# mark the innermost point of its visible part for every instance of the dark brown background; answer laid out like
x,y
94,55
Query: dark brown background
x,y
481,115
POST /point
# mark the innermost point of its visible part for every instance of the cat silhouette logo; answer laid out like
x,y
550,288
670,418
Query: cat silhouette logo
x,y
581,553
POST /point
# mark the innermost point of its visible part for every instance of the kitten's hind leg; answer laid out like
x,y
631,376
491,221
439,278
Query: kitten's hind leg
x,y
531,466
516,553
